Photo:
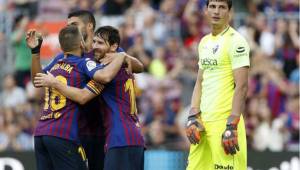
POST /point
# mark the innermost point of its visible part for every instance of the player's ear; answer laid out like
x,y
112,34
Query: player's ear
x,y
90,26
82,44
205,10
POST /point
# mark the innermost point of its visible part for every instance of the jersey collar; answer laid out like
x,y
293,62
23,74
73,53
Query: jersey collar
x,y
222,33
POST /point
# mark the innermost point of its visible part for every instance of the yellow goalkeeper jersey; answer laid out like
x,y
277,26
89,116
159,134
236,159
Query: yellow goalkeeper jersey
x,y
218,56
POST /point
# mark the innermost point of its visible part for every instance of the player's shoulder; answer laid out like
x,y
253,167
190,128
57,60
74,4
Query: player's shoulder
x,y
88,62
204,39
235,36
57,58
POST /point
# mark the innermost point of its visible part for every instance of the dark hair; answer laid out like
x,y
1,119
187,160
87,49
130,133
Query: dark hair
x,y
109,33
69,38
229,2
85,16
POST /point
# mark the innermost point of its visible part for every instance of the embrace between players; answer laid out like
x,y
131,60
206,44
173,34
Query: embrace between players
x,y
91,64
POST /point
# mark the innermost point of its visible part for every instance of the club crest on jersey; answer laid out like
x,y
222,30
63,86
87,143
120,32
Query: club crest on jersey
x,y
90,65
215,49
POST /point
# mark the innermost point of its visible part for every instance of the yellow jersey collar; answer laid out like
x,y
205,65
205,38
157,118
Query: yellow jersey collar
x,y
222,33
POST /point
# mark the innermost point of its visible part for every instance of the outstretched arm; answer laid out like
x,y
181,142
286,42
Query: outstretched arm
x,y
106,74
34,42
136,65
78,95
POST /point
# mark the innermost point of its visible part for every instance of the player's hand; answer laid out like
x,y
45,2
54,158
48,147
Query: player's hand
x,y
128,65
107,59
194,126
44,80
34,41
230,136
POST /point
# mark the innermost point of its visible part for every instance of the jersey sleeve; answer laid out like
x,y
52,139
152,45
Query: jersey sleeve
x,y
239,53
52,62
94,87
89,67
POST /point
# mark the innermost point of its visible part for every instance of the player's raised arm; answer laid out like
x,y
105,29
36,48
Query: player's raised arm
x,y
34,42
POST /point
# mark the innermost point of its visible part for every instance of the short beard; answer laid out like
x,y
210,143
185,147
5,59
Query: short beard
x,y
98,56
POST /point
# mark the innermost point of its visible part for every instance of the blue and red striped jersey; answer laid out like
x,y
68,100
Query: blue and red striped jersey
x,y
91,117
122,126
60,115
89,55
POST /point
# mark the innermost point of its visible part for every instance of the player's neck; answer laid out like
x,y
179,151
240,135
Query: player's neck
x,y
74,53
89,44
218,29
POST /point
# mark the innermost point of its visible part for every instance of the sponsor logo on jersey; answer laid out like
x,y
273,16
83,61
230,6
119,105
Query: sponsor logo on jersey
x,y
209,62
227,167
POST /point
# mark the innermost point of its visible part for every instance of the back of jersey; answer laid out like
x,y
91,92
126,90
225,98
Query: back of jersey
x,y
60,115
122,127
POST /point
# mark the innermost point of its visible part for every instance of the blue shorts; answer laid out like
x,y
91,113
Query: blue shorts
x,y
54,153
125,158
94,149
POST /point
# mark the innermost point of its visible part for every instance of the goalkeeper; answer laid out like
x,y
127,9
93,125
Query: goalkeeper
x,y
215,126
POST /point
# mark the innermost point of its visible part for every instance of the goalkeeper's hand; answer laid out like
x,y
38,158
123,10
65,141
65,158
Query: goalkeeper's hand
x,y
194,126
230,135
